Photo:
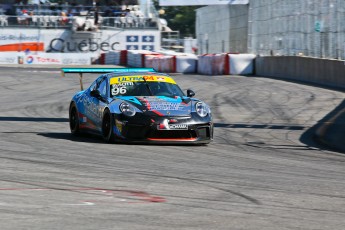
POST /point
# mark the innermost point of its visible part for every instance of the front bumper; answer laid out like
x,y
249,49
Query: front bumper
x,y
184,130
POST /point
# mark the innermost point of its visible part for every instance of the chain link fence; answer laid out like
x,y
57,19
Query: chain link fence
x,y
314,28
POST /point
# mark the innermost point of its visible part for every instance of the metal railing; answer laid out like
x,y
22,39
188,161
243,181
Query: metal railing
x,y
51,21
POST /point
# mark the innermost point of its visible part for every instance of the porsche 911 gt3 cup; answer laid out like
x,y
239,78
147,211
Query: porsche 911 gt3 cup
x,y
139,105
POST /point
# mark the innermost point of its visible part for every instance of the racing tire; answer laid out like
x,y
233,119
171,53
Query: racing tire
x,y
74,120
107,127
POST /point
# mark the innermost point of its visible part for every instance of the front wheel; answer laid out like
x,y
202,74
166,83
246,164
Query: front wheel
x,y
107,127
74,120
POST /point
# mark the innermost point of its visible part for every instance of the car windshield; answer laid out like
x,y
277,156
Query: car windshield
x,y
145,88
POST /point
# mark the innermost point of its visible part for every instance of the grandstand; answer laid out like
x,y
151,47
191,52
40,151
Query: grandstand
x,y
78,26
62,15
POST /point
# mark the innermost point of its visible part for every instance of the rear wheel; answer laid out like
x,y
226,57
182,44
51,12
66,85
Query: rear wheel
x,y
74,120
107,127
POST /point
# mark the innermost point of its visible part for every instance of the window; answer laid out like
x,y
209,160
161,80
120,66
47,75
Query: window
x,y
102,87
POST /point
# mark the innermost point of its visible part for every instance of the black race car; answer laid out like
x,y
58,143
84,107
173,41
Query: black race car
x,y
139,105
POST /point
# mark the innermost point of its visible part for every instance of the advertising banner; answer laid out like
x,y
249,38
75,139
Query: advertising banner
x,y
46,58
201,2
58,58
63,41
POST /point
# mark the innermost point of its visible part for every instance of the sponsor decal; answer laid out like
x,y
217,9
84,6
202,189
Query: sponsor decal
x,y
91,109
164,106
48,60
119,125
8,60
11,37
117,80
120,88
160,78
20,60
77,61
178,126
29,59
166,126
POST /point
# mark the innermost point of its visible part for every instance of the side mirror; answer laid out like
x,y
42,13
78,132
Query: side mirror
x,y
95,93
190,93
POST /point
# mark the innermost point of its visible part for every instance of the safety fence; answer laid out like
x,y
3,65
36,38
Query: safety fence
x,y
313,28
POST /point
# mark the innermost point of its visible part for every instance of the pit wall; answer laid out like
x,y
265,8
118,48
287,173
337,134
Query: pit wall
x,y
320,71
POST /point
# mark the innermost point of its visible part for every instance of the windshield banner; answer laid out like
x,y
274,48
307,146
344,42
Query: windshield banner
x,y
118,80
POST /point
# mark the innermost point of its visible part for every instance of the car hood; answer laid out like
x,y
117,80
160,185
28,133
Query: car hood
x,y
162,106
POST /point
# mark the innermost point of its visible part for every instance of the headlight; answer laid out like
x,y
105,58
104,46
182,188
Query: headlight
x,y
202,109
127,109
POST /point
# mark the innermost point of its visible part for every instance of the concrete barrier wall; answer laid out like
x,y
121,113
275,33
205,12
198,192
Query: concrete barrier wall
x,y
222,28
320,71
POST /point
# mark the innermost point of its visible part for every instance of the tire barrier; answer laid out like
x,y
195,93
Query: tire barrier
x,y
205,64
173,62
242,64
136,58
149,60
213,64
186,64
161,63
112,58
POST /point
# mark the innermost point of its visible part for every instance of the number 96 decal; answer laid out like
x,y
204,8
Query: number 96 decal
x,y
118,90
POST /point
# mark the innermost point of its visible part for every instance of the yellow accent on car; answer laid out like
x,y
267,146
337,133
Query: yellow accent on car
x,y
118,80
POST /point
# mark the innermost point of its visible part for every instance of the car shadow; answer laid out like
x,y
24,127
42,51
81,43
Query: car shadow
x,y
35,119
89,138
96,139
258,126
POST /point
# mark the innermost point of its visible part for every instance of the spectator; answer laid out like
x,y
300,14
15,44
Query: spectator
x,y
63,18
126,13
30,17
23,19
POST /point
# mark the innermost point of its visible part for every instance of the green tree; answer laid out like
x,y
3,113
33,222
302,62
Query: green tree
x,y
179,18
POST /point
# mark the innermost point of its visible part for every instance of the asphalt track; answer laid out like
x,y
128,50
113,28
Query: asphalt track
x,y
263,171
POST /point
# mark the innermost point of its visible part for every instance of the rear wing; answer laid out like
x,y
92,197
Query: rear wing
x,y
80,71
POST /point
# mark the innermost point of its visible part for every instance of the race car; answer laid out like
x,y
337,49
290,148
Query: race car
x,y
139,105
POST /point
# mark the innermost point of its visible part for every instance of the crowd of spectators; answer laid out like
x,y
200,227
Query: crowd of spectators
x,y
61,12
